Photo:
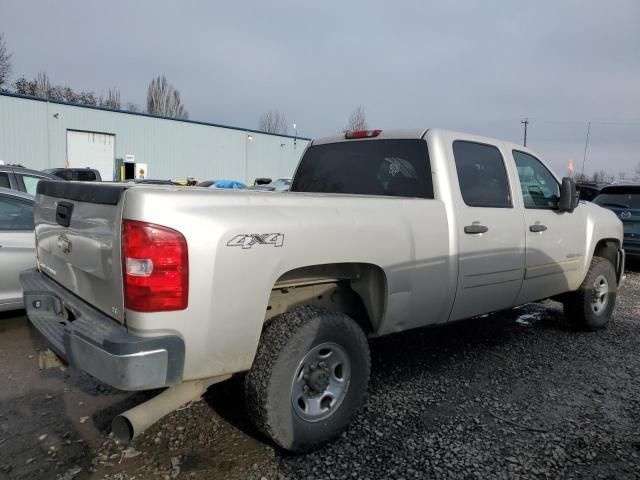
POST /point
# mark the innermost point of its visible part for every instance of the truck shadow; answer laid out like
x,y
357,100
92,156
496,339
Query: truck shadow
x,y
46,446
633,264
396,358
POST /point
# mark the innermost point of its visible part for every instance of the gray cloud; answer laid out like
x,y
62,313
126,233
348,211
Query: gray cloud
x,y
473,66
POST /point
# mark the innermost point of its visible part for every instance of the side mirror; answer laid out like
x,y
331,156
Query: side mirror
x,y
568,195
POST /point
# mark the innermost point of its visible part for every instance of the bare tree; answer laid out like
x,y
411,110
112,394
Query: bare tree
x,y
357,120
5,63
163,99
622,175
38,87
273,121
42,85
602,176
24,86
112,100
132,107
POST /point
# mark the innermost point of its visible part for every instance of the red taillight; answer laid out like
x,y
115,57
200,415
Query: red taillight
x,y
155,265
362,134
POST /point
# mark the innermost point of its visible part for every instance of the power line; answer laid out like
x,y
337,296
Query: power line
x,y
586,122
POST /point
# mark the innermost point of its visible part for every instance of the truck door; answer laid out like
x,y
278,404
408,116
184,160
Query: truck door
x,y
555,241
490,232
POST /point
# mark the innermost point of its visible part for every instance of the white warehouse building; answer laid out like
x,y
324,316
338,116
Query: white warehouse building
x,y
39,134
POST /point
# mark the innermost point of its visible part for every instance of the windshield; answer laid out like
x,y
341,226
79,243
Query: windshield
x,y
628,197
397,167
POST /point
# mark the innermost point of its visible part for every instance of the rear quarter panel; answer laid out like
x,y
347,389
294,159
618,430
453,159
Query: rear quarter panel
x,y
230,285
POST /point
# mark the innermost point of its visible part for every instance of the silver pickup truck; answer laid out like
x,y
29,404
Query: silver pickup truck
x,y
382,231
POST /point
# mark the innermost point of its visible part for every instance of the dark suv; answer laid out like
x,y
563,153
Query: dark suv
x,y
16,177
589,190
79,174
624,201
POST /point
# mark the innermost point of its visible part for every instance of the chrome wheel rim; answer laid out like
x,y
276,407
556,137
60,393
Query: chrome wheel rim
x,y
320,382
600,295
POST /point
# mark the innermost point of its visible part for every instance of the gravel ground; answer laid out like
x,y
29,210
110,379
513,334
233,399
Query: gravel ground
x,y
513,395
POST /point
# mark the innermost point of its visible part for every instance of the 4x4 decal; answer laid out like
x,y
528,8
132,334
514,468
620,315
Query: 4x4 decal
x,y
248,240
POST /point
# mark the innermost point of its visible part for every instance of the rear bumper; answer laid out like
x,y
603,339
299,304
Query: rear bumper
x,y
91,341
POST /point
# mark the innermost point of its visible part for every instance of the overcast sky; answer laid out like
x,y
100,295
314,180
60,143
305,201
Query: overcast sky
x,y
475,66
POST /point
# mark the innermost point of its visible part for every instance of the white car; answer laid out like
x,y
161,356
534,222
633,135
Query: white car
x,y
278,185
17,245
281,184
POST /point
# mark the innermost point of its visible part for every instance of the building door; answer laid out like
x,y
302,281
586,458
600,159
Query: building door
x,y
93,150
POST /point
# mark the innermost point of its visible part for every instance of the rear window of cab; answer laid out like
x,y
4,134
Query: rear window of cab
x,y
390,167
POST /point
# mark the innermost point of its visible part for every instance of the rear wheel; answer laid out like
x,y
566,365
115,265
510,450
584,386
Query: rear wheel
x,y
309,377
591,306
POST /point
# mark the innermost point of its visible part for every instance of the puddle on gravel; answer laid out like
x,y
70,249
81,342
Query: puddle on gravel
x,y
529,319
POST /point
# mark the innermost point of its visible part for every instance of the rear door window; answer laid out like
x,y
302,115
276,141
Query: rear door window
x,y
481,175
15,214
394,167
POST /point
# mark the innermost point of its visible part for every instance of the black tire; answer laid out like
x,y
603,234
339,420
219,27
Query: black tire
x,y
269,386
579,308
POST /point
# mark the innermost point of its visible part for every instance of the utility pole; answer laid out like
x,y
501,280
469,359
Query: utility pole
x,y
525,122
295,138
586,144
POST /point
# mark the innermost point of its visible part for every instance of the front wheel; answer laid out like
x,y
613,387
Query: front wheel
x,y
591,306
308,378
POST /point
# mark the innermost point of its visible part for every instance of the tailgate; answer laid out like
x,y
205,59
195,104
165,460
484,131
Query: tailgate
x,y
78,229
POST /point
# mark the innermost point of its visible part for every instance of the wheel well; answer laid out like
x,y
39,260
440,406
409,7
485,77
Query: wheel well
x,y
356,289
608,248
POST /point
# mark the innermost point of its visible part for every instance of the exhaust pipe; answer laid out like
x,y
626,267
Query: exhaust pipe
x,y
133,422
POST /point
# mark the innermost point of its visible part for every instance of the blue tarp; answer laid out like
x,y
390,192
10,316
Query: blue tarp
x,y
229,184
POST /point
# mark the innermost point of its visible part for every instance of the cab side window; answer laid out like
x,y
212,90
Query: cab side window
x,y
540,189
31,183
482,175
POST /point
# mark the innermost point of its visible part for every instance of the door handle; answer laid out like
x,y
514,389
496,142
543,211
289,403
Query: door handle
x,y
475,228
537,228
